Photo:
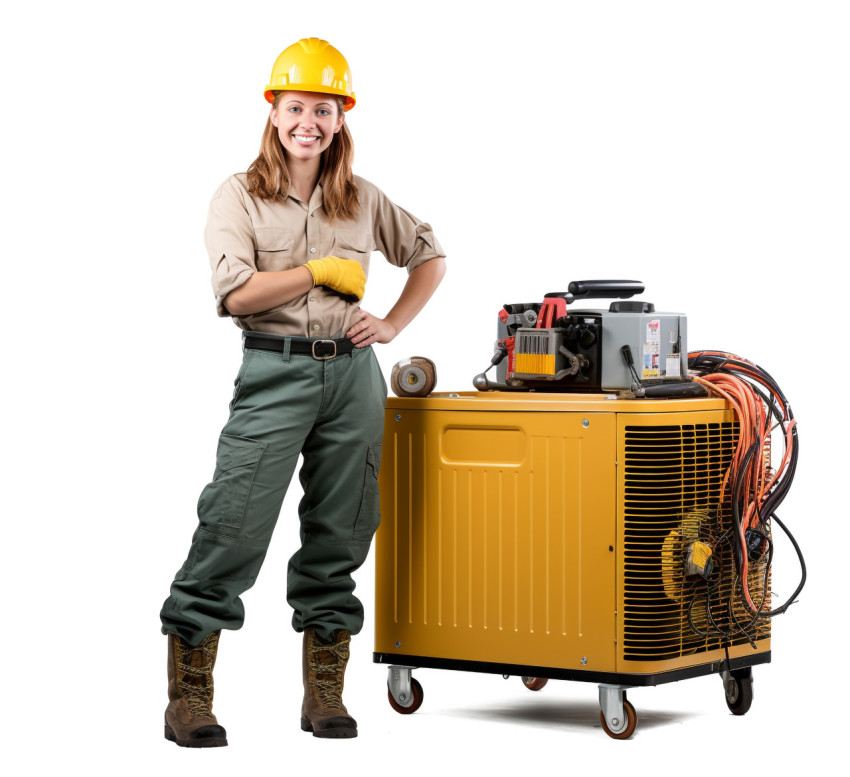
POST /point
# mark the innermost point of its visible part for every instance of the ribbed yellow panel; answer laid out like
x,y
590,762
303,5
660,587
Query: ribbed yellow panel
x,y
536,363
496,537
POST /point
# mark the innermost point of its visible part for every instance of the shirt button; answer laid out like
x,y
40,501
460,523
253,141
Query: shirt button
x,y
315,327
312,299
312,250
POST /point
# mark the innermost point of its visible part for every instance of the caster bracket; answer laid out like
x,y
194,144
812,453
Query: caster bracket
x,y
400,685
611,698
729,685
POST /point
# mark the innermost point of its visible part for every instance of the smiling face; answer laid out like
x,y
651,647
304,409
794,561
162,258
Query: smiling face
x,y
306,123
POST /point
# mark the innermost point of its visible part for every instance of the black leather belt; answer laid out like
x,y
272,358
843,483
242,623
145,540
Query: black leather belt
x,y
318,349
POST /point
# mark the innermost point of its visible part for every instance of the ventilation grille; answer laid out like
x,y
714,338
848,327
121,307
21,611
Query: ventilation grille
x,y
672,497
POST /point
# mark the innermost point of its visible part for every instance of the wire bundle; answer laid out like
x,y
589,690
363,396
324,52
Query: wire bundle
x,y
752,490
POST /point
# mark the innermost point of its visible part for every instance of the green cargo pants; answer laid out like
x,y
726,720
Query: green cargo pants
x,y
284,405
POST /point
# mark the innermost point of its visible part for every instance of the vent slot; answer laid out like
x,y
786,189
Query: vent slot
x,y
671,498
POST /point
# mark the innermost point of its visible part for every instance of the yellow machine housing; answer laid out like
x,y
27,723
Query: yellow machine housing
x,y
549,535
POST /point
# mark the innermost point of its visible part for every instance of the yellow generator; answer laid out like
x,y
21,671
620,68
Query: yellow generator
x,y
543,536
572,536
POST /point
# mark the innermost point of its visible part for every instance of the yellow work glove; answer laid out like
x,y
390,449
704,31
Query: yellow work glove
x,y
343,275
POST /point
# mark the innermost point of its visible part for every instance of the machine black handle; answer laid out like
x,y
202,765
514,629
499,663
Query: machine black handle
x,y
607,289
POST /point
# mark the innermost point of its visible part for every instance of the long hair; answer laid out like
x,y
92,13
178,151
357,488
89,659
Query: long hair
x,y
269,179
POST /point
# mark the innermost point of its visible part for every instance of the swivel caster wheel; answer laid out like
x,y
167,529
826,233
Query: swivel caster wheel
x,y
534,683
418,697
405,694
630,722
738,688
618,716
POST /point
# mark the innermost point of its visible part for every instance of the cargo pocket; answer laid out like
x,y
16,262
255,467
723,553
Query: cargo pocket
x,y
222,503
369,515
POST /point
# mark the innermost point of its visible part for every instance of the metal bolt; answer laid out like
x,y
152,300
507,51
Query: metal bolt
x,y
584,659
585,423
398,644
398,418
402,696
614,721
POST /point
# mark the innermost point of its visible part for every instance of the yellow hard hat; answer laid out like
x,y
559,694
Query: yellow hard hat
x,y
312,65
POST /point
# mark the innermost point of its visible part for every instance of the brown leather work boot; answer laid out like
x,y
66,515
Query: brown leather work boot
x,y
323,712
189,720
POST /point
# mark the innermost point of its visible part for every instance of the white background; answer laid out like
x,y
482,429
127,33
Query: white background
x,y
701,147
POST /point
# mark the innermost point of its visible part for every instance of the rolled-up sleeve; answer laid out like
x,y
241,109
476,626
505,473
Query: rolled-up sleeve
x,y
401,237
229,236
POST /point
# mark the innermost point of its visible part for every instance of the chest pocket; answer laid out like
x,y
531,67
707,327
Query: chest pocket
x,y
274,249
353,245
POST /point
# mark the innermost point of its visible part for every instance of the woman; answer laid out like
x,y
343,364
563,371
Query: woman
x,y
289,244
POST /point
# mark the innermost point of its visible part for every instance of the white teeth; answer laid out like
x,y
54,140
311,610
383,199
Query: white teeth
x,y
306,138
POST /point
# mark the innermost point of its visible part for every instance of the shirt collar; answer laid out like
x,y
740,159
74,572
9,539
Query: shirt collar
x,y
315,198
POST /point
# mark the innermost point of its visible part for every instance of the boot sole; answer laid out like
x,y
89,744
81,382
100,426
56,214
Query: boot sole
x,y
199,742
333,732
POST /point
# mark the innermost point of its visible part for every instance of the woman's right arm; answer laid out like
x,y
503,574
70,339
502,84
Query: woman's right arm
x,y
266,290
241,289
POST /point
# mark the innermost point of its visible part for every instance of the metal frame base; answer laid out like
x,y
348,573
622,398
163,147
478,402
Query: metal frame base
x,y
553,673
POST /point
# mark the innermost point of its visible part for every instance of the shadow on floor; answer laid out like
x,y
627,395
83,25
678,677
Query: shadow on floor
x,y
562,714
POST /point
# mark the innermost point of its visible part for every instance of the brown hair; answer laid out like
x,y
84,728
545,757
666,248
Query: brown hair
x,y
268,176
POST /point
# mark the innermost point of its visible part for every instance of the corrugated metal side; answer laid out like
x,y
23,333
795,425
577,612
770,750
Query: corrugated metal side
x,y
497,538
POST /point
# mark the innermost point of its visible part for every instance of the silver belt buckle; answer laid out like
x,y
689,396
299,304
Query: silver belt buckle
x,y
324,344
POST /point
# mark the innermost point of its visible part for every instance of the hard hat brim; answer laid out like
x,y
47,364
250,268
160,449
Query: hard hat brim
x,y
349,99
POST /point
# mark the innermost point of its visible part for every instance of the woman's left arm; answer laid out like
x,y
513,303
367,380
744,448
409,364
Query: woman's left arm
x,y
421,284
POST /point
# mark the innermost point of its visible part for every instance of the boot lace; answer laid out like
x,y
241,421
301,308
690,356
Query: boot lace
x,y
328,662
196,682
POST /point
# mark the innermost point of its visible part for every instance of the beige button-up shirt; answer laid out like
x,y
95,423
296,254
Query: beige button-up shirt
x,y
246,234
